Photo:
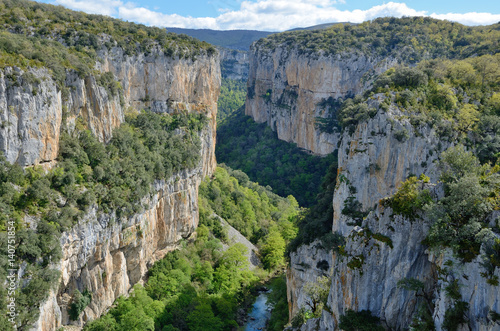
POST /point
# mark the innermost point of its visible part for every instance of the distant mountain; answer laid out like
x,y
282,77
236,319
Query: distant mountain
x,y
321,26
233,39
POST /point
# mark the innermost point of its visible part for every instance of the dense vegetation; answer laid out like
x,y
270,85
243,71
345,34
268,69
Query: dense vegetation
x,y
233,39
201,286
410,38
459,98
196,288
256,150
316,222
111,178
267,219
472,192
232,97
36,34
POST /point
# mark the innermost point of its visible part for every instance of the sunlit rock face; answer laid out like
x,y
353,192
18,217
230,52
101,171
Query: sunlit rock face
x,y
386,248
287,90
106,254
33,111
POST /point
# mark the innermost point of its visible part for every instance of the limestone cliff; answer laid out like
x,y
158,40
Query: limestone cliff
x,y
33,110
105,254
286,90
384,248
234,63
306,264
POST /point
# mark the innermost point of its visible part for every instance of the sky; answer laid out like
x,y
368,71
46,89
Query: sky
x,y
280,15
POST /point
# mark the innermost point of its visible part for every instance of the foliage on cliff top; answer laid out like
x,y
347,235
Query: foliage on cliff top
x,y
410,38
115,177
35,34
90,32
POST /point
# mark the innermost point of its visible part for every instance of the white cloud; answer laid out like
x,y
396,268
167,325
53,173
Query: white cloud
x,y
103,7
470,18
271,15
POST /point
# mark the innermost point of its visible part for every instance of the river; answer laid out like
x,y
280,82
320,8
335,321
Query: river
x,y
259,315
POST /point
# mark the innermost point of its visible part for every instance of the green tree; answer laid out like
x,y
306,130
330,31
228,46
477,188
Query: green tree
x,y
273,249
317,294
202,318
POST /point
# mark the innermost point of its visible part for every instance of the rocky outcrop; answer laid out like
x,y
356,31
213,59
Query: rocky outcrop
x,y
234,63
107,255
33,110
306,264
383,248
30,115
33,113
380,154
288,90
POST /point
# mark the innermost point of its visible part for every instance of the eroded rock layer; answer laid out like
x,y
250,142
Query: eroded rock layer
x,y
106,254
287,90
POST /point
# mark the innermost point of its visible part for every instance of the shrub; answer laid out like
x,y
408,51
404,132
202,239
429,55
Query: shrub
x,y
409,198
402,135
78,303
455,316
409,77
359,321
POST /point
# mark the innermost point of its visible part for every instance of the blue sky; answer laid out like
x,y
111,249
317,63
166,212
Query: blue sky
x,y
279,15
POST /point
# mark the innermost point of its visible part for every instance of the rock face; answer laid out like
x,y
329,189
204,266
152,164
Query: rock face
x,y
33,111
385,248
105,254
165,84
30,115
234,63
306,264
287,90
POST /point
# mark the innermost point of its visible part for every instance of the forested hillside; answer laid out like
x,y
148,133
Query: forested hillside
x,y
415,38
35,34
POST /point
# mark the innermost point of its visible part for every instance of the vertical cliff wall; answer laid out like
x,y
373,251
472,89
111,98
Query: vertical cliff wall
x,y
287,90
165,84
383,248
234,63
107,255
33,111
